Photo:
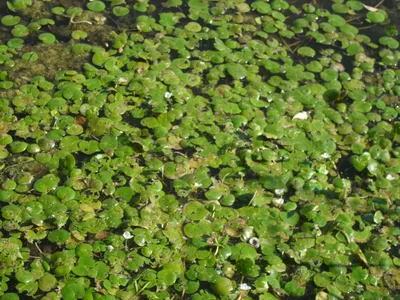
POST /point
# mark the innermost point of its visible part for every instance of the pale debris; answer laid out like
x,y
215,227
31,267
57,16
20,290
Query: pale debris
x,y
278,201
370,8
279,192
127,235
390,177
301,116
325,155
244,287
255,242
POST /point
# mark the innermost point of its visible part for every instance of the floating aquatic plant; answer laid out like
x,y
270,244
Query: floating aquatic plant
x,y
199,150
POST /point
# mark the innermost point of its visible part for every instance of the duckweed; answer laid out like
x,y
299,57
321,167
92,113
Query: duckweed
x,y
199,150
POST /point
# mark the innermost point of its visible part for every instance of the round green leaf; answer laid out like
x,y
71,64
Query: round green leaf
x,y
376,16
10,20
193,27
58,236
222,286
306,51
47,282
120,11
24,276
97,6
47,38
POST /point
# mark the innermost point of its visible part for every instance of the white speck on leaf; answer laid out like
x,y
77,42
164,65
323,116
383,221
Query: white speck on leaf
x,y
122,80
301,116
326,155
255,242
390,177
279,201
127,235
244,287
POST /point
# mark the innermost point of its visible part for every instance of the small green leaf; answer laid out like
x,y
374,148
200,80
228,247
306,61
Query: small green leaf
x,y
47,282
24,276
120,11
167,276
193,27
10,20
58,236
222,286
79,35
97,6
47,38
293,288
378,16
306,51
237,71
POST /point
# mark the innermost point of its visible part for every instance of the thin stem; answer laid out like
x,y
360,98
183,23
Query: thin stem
x,y
379,4
252,198
71,20
352,19
37,247
287,46
366,27
143,288
183,293
115,22
294,44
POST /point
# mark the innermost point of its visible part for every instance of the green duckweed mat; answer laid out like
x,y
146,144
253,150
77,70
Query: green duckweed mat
x,y
199,149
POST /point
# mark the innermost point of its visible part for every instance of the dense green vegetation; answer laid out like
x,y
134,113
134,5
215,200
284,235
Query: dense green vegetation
x,y
199,149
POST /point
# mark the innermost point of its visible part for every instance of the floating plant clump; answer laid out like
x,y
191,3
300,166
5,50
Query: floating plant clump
x,y
198,149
